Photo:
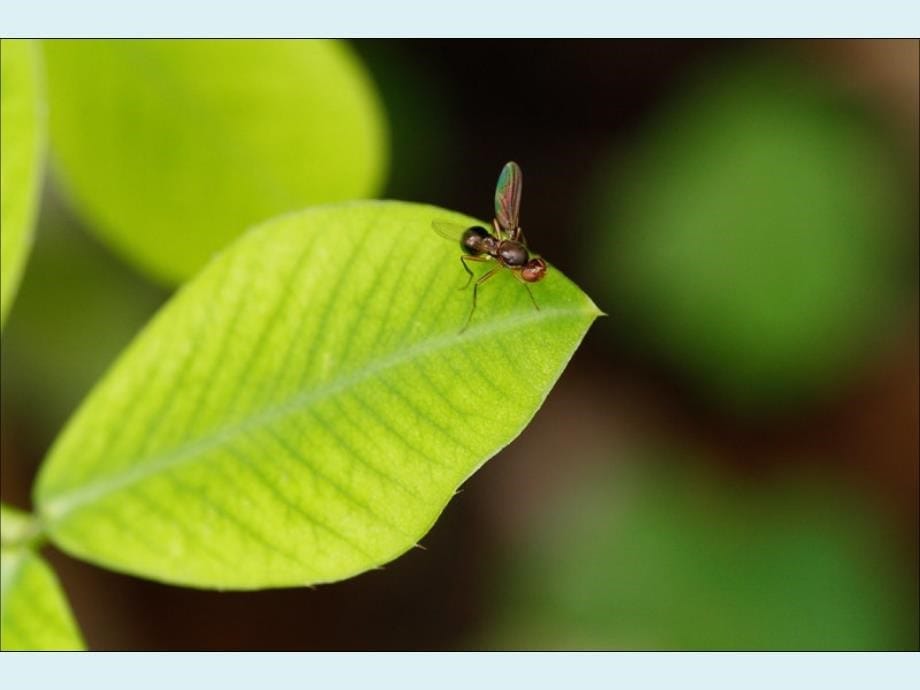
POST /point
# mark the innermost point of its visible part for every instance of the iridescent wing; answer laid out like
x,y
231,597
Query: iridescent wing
x,y
508,197
447,230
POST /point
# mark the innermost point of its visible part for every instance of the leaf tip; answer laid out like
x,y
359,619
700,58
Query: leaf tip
x,y
595,310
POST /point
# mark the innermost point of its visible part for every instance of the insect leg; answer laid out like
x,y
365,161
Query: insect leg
x,y
523,282
484,278
463,259
499,233
536,306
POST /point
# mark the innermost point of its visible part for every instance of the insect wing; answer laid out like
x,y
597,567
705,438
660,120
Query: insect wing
x,y
508,197
449,231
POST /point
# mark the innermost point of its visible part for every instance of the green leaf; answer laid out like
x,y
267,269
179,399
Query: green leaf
x,y
754,243
78,307
673,558
22,139
16,527
34,615
172,148
305,407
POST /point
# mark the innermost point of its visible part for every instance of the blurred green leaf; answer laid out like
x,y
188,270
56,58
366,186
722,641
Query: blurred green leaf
x,y
77,308
34,615
673,559
16,526
750,239
304,408
171,148
22,140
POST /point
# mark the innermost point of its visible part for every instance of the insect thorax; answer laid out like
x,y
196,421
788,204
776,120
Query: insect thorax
x,y
513,253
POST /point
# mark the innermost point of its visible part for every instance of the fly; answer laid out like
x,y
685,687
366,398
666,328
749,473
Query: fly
x,y
505,245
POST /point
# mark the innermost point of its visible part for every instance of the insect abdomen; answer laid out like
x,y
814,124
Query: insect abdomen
x,y
472,240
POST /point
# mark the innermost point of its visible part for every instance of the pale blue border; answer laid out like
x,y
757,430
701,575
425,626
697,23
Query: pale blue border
x,y
447,671
459,18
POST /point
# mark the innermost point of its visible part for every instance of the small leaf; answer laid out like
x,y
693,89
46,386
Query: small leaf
x,y
34,615
22,139
304,408
17,528
172,148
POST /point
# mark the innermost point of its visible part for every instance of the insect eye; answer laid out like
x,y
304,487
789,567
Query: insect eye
x,y
534,270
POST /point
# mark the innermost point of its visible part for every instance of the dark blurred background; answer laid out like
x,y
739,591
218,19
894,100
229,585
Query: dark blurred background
x,y
730,461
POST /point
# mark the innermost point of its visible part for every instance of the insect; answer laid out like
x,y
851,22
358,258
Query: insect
x,y
505,245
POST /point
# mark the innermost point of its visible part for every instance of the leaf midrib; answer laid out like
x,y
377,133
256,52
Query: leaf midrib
x,y
55,508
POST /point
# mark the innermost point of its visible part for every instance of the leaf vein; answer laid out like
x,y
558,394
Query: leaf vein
x,y
56,506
